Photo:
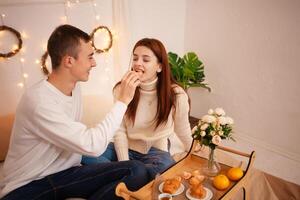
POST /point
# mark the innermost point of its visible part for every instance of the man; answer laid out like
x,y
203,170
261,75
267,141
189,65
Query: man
x,y
47,141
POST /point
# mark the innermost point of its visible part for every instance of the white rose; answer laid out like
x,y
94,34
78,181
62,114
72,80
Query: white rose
x,y
229,120
208,118
223,120
204,127
216,140
194,129
221,133
220,111
212,133
210,111
200,123
202,133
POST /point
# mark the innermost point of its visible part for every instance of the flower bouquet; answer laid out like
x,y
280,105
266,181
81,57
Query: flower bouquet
x,y
211,129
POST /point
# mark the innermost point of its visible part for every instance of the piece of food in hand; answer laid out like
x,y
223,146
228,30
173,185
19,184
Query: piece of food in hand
x,y
186,175
197,191
171,185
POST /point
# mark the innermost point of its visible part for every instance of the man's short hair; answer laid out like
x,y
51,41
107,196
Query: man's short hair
x,y
65,40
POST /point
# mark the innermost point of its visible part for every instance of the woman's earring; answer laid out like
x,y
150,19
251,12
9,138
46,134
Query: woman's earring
x,y
158,70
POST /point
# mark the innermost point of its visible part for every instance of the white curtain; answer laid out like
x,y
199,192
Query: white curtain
x,y
121,48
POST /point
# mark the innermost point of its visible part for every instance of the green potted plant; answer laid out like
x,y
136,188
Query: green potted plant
x,y
188,71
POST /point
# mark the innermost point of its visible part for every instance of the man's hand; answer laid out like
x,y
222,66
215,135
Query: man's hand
x,y
127,87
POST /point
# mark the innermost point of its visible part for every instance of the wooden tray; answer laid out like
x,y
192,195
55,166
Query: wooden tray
x,y
190,163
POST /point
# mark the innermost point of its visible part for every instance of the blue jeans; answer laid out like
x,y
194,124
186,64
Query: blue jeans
x,y
156,160
90,182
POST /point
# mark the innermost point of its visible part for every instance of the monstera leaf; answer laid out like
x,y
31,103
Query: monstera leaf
x,y
188,71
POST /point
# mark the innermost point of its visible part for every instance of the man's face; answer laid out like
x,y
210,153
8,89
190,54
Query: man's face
x,y
84,62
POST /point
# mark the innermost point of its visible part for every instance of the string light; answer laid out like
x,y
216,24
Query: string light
x,y
109,40
21,85
24,75
2,18
97,16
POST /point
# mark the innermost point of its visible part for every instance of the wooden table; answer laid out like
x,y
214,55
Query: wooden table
x,y
190,163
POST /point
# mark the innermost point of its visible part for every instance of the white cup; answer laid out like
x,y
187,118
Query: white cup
x,y
164,196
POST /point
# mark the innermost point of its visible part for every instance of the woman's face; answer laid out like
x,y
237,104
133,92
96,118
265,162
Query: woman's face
x,y
145,63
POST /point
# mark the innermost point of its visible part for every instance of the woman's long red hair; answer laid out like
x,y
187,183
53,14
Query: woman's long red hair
x,y
166,95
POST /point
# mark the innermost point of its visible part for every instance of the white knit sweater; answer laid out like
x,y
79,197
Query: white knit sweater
x,y
142,136
47,136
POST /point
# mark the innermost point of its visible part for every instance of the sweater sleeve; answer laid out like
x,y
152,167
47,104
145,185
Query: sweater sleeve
x,y
121,143
120,138
54,126
181,120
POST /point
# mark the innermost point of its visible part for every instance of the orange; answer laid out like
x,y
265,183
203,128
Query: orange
x,y
235,173
221,182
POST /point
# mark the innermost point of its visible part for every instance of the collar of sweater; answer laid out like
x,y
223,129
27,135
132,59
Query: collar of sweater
x,y
149,86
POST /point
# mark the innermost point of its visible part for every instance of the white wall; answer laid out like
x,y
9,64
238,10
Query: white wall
x,y
251,50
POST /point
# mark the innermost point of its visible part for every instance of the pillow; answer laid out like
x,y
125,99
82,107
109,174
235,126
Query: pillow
x,y
6,124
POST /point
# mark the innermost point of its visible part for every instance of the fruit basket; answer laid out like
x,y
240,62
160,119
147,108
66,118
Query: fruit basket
x,y
192,162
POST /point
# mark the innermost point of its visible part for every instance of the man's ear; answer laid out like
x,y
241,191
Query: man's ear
x,y
68,61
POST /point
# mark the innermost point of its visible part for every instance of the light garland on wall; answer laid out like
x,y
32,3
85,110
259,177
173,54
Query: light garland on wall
x,y
16,48
110,40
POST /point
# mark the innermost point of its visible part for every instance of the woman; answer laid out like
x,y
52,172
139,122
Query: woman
x,y
159,108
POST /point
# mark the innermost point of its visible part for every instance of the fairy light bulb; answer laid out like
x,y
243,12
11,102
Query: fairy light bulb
x,y
24,35
3,15
22,60
37,61
21,85
14,47
25,75
97,17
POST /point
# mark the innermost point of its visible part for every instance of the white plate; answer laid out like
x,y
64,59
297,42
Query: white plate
x,y
208,196
179,190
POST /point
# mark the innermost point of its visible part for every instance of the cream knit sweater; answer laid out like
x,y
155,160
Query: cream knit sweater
x,y
142,136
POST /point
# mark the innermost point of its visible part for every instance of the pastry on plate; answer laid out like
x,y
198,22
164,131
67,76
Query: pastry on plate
x,y
197,191
171,185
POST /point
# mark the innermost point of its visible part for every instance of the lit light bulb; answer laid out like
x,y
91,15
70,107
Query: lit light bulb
x,y
97,17
44,47
20,85
95,4
22,60
15,47
24,35
25,75
64,19
3,15
37,61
